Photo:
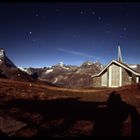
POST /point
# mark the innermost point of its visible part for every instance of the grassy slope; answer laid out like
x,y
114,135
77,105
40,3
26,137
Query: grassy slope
x,y
39,104
130,94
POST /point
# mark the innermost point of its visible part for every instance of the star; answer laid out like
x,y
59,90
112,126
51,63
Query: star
x,y
121,36
36,15
126,14
74,36
43,16
33,40
93,12
107,31
81,12
57,10
99,18
107,24
124,28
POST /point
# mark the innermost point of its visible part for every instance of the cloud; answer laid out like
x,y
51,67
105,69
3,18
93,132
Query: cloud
x,y
75,52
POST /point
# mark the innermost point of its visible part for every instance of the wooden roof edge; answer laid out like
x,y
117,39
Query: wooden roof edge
x,y
119,63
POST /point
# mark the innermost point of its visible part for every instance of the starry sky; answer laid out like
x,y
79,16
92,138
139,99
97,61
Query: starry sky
x,y
44,34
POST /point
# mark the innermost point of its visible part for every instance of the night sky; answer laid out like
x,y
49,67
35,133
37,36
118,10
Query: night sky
x,y
43,34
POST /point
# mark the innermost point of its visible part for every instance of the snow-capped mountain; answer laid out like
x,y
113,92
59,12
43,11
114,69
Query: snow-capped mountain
x,y
68,75
10,71
136,67
133,66
25,70
48,71
4,60
71,76
89,68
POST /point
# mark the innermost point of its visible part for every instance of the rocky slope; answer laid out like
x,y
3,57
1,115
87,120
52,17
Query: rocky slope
x,y
67,75
9,70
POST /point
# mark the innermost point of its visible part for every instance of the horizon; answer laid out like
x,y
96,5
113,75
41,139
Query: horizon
x,y
44,34
73,64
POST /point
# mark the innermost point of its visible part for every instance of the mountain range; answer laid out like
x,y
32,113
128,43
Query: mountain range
x,y
62,75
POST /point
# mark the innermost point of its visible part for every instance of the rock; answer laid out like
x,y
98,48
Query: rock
x,y
10,126
26,132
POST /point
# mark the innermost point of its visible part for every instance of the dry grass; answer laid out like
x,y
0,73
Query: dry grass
x,y
34,100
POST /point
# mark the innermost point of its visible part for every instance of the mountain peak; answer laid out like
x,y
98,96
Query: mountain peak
x,y
87,63
2,52
61,63
4,60
10,71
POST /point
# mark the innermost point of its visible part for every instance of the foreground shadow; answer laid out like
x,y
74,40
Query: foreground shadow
x,y
107,117
109,120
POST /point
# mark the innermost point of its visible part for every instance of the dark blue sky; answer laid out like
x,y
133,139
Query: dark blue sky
x,y
43,34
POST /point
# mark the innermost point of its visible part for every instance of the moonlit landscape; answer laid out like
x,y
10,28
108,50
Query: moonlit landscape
x,y
69,69
46,34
